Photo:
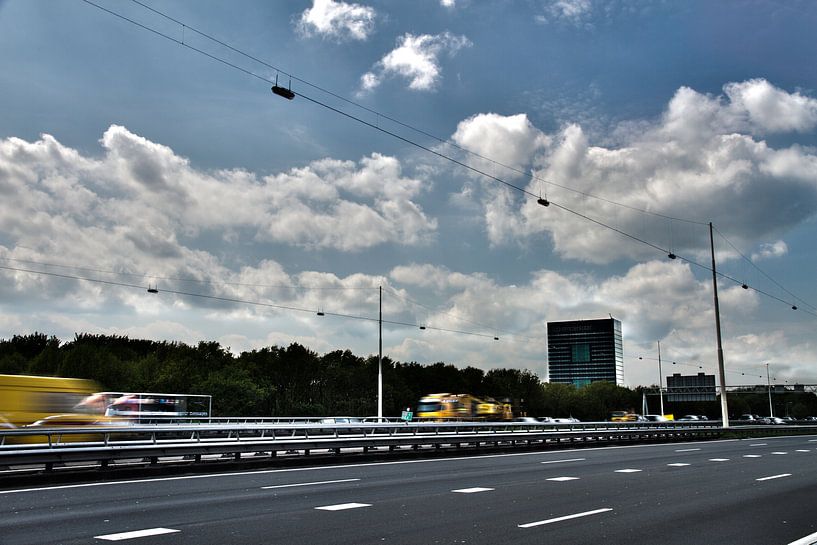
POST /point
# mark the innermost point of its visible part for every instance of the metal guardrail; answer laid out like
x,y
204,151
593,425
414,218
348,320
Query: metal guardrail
x,y
150,444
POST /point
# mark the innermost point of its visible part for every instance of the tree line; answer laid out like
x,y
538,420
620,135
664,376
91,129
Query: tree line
x,y
296,381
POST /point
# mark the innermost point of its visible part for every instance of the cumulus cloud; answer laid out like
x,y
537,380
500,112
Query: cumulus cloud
x,y
769,251
416,58
145,198
337,20
572,11
510,140
702,160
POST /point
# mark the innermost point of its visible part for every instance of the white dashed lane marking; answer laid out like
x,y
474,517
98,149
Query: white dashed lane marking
x,y
758,444
560,479
567,517
308,484
561,461
137,533
752,455
808,540
342,506
472,490
679,464
802,450
627,470
719,459
774,477
779,452
686,449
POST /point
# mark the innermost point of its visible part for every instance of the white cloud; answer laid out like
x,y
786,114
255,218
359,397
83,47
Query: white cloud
x,y
701,160
769,251
771,109
510,140
337,20
450,4
415,58
571,11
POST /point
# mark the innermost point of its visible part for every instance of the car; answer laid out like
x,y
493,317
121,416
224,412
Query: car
x,y
810,419
688,418
567,420
773,420
656,418
747,418
527,420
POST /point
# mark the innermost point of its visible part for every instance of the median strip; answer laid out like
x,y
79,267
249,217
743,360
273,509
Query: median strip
x,y
567,517
137,533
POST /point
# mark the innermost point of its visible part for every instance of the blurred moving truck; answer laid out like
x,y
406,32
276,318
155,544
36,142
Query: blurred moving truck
x,y
463,406
27,399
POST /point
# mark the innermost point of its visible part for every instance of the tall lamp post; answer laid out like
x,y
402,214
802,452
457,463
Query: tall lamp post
x,y
721,372
380,359
769,389
660,380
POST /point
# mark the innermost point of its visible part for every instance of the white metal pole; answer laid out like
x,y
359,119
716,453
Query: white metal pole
x,y
380,360
769,388
721,372
660,380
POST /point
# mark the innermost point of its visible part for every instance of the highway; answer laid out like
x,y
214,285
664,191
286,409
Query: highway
x,y
752,491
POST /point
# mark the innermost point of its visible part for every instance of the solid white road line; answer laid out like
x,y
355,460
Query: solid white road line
x,y
686,449
561,479
753,456
561,461
774,477
627,471
472,490
678,465
308,484
568,517
719,459
808,540
137,533
342,506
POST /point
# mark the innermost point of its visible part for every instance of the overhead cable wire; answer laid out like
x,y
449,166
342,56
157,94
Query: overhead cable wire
x,y
372,111
429,149
192,280
246,302
761,271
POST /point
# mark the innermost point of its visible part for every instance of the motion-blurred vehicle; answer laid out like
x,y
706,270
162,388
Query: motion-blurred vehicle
x,y
527,420
622,416
154,406
689,417
566,420
656,418
25,399
463,406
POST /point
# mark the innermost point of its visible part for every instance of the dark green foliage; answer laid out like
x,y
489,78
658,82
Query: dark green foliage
x,y
295,381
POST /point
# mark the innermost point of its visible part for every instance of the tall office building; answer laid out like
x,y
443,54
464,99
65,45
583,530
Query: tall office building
x,y
585,351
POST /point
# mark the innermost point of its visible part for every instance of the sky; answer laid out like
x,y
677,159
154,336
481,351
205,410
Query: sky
x,y
144,149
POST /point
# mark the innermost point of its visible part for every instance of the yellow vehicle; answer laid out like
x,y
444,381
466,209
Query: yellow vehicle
x,y
462,406
622,416
27,399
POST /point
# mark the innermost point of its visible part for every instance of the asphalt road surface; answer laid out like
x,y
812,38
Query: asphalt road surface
x,y
742,492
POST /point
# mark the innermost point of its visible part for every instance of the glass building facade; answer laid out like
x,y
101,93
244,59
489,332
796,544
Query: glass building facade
x,y
585,351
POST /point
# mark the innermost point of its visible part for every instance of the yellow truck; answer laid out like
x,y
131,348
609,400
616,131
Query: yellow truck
x,y
462,406
27,399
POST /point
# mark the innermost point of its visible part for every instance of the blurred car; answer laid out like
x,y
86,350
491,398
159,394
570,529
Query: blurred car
x,y
773,420
567,420
689,418
527,420
810,419
71,421
545,419
656,418
747,418
622,416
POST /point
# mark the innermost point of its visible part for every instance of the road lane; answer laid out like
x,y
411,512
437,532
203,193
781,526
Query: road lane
x,y
413,502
